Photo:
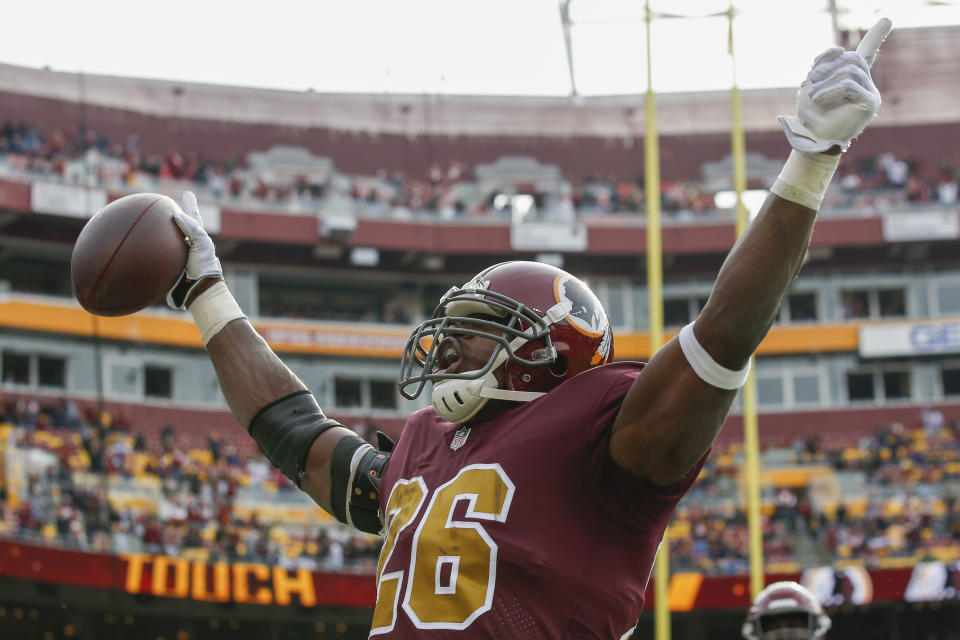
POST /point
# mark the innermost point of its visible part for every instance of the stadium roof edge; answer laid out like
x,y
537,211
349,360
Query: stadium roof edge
x,y
913,94
408,114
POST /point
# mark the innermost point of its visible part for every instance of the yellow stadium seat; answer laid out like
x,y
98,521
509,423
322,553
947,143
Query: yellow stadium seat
x,y
895,562
829,509
851,454
948,553
781,567
892,508
856,507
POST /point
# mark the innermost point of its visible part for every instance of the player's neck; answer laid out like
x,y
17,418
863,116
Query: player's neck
x,y
492,409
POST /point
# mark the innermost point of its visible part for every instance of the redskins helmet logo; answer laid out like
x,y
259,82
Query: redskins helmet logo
x,y
836,586
586,313
602,353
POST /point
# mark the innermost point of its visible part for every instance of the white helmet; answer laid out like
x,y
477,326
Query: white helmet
x,y
785,611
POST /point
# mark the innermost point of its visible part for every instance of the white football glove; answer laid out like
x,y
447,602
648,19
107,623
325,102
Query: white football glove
x,y
838,98
202,261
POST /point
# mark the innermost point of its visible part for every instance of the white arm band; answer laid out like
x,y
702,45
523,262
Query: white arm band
x,y
805,178
709,370
213,310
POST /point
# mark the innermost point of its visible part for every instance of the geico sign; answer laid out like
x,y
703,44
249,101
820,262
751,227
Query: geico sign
x,y
944,337
902,339
242,582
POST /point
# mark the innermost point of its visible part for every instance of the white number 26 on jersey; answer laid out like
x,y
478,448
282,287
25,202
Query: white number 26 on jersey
x,y
450,578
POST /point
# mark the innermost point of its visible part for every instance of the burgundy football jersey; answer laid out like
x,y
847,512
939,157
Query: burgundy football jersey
x,y
519,526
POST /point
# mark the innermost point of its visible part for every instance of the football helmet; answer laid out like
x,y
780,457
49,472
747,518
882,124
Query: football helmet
x,y
785,611
548,326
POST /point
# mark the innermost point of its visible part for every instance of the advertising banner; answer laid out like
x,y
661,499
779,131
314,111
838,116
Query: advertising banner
x,y
909,339
261,584
70,200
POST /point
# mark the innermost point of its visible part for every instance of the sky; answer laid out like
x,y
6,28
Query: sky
x,y
503,47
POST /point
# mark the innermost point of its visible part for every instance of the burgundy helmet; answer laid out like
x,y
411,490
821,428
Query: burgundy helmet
x,y
785,611
550,324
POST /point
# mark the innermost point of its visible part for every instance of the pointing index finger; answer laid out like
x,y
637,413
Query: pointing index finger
x,y
870,44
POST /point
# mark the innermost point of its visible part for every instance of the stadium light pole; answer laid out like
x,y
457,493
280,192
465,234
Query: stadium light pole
x,y
661,576
564,6
94,319
750,427
651,160
651,152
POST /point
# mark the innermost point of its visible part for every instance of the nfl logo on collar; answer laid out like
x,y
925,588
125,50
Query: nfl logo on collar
x,y
459,438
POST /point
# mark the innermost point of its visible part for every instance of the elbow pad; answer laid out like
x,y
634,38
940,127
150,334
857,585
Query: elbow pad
x,y
355,472
285,430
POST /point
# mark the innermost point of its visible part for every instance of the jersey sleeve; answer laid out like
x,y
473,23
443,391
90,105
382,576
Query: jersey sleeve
x,y
635,501
621,496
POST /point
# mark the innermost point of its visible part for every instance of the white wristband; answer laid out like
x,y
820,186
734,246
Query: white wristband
x,y
213,310
709,370
805,178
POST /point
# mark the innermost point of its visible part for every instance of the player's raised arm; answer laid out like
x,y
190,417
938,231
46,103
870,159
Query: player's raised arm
x,y
679,402
316,453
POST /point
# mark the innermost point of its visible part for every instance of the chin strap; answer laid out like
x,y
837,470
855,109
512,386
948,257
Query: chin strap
x,y
460,400
506,394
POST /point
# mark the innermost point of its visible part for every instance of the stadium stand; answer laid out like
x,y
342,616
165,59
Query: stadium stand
x,y
293,179
887,500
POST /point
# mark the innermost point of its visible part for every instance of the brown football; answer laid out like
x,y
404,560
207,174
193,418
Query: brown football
x,y
128,255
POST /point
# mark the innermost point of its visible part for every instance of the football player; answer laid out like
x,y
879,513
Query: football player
x,y
786,611
529,500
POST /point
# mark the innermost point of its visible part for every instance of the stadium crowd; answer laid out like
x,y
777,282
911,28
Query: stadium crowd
x,y
94,482
912,477
100,486
871,183
907,506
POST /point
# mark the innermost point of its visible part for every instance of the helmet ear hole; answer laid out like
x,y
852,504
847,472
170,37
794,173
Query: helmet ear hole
x,y
559,366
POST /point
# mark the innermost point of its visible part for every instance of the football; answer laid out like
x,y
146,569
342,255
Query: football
x,y
128,255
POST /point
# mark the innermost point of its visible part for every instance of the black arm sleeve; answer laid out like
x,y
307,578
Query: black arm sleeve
x,y
285,430
355,472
